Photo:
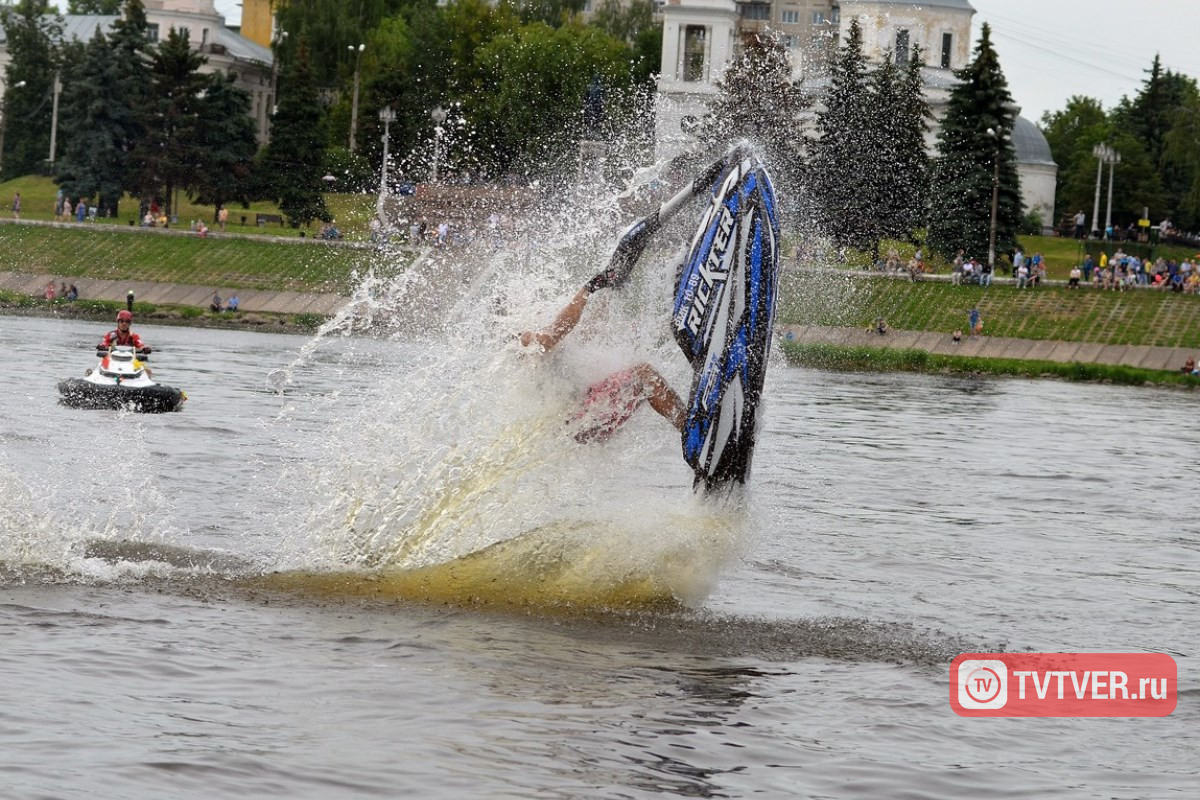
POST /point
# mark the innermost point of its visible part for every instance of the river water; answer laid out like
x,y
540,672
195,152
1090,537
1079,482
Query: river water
x,y
359,569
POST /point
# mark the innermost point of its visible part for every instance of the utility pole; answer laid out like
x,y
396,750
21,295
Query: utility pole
x,y
358,51
54,120
387,116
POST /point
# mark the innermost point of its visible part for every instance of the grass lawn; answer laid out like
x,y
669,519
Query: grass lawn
x,y
1145,317
97,252
875,359
351,212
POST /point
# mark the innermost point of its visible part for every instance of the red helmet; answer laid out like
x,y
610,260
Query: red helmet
x,y
124,315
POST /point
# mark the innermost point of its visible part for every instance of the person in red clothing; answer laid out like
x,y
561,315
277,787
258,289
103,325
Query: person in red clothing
x,y
124,336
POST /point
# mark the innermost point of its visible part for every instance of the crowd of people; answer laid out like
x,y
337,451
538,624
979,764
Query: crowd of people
x,y
1124,271
1119,272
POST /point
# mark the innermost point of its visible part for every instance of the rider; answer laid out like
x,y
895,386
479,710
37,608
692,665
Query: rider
x,y
123,335
610,403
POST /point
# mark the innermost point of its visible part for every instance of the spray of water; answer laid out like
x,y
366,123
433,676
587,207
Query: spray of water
x,y
455,475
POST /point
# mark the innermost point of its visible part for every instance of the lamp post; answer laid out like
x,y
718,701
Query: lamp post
x,y
438,115
1114,158
358,51
57,89
387,116
1101,152
998,137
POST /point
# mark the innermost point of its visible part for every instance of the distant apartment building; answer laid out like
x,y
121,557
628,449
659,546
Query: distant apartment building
x,y
701,38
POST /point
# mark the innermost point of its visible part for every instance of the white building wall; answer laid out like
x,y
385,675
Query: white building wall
x,y
1038,191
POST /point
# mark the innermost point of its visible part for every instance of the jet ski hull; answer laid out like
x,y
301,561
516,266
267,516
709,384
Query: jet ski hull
x,y
154,399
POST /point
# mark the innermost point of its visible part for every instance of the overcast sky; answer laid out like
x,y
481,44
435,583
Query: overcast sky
x,y
1052,49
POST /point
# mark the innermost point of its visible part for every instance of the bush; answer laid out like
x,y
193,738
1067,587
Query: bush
x,y
1031,224
308,320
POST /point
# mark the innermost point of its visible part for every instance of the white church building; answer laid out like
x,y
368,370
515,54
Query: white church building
x,y
701,37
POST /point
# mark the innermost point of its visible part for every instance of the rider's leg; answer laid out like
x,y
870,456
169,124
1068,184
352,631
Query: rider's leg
x,y
660,395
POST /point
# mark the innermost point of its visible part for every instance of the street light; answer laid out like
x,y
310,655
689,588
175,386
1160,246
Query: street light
x,y
54,119
1114,158
438,115
358,51
999,138
1101,152
387,116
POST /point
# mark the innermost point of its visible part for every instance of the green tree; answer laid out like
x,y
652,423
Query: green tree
x,y
532,97
169,155
31,27
1071,134
94,6
328,28
226,144
94,165
624,21
757,100
292,167
106,93
885,187
975,144
912,158
844,160
1181,154
424,58
1151,114
552,12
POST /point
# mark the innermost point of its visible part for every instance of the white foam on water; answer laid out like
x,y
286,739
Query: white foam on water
x,y
463,441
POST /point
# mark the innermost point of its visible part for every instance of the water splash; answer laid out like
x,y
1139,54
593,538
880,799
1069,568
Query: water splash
x,y
455,476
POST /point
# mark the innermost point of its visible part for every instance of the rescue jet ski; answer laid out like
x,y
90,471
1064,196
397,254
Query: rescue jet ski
x,y
120,381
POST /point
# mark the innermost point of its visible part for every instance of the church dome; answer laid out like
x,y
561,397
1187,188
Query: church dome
x,y
1030,144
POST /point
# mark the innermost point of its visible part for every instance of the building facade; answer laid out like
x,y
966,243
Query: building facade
x,y
700,38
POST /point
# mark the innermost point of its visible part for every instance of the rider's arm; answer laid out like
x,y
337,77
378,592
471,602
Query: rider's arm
x,y
567,319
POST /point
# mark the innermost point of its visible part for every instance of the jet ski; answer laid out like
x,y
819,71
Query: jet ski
x,y
120,381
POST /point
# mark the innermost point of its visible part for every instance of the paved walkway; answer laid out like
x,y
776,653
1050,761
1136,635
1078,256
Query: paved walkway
x,y
251,300
1146,357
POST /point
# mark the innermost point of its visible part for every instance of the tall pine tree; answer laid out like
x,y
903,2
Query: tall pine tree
x,y
968,157
226,142
168,156
757,100
912,157
843,163
94,165
294,162
887,187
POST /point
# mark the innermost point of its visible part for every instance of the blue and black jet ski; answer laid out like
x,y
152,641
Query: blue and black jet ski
x,y
723,317
723,311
